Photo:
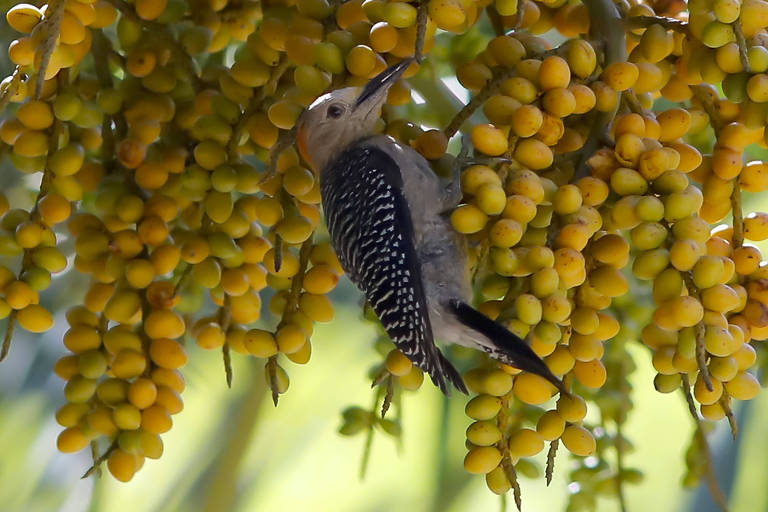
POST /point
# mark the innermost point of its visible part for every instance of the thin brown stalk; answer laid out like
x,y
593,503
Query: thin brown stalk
x,y
48,30
100,460
701,349
607,27
741,41
8,335
709,471
421,31
225,318
10,88
183,279
551,454
477,101
725,403
271,368
738,215
509,471
388,394
668,23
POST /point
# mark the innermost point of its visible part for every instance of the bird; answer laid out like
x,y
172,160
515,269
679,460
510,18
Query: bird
x,y
388,215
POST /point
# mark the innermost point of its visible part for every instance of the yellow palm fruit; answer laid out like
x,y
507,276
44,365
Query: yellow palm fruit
x,y
397,364
521,89
756,226
468,219
505,233
320,279
754,177
559,101
591,374
489,140
525,443
483,433
585,98
19,295
142,393
162,323
361,61
23,17
721,342
578,440
260,343
210,336
432,144
35,318
31,143
581,58
533,154
585,348
383,37
72,440
475,176
167,353
482,459
747,259
35,115
22,51
620,76
155,419
609,281
553,73
400,15
532,389
290,338
744,386
483,407
527,120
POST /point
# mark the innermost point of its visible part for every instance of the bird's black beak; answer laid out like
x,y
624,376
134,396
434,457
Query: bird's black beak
x,y
375,91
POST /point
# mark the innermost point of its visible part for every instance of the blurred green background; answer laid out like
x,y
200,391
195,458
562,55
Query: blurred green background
x,y
232,450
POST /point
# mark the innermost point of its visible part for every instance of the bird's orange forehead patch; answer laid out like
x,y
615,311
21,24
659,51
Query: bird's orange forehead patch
x,y
301,140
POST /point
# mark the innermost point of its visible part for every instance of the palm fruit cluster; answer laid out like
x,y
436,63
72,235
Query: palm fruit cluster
x,y
161,136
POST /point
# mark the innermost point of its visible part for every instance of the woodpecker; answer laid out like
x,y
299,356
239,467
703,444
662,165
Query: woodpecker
x,y
388,216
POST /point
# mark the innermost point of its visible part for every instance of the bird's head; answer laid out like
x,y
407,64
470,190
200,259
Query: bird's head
x,y
339,118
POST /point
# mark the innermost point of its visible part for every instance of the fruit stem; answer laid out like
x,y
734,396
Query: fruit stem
x,y
8,335
98,461
11,88
551,454
421,31
701,351
607,27
725,403
738,215
714,487
49,30
224,318
742,43
668,23
271,368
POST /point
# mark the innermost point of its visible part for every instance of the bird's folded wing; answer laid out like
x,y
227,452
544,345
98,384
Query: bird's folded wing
x,y
372,231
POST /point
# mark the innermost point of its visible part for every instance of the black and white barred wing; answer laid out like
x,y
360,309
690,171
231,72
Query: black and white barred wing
x,y
372,233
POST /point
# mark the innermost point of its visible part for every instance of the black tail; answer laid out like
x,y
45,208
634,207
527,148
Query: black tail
x,y
449,372
509,346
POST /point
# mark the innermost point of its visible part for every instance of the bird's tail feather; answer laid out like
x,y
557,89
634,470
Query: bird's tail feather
x,y
507,344
449,371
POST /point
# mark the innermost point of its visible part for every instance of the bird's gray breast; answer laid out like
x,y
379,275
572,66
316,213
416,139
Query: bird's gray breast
x,y
442,251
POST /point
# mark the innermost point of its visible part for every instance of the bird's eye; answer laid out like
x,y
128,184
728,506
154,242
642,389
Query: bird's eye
x,y
335,111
